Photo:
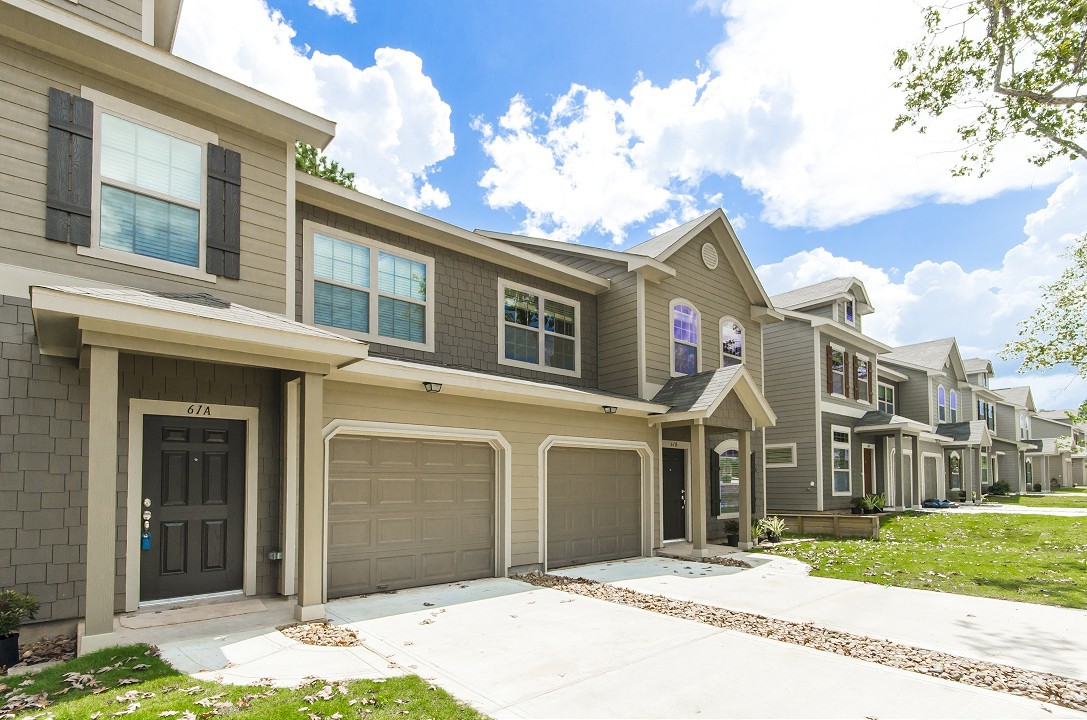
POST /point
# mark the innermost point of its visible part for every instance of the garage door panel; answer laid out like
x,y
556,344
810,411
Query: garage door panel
x,y
407,512
593,505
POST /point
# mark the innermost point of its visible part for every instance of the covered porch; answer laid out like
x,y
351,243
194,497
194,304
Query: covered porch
x,y
707,464
894,443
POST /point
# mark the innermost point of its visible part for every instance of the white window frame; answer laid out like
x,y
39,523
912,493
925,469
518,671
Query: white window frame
x,y
308,229
952,456
983,469
848,446
861,360
163,124
672,337
845,370
891,389
721,340
775,446
1024,426
540,331
717,478
941,406
850,303
953,405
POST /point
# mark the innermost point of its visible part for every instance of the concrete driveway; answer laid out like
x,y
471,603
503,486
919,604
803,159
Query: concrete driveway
x,y
513,650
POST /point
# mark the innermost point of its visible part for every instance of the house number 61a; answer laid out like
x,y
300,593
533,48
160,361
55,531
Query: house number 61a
x,y
199,410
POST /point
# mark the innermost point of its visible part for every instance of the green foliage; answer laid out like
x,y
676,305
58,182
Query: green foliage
x,y
1020,64
310,160
14,609
1067,499
1000,487
874,501
858,502
772,526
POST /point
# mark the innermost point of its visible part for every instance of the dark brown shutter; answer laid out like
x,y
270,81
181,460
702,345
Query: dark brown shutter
x,y
856,380
868,369
68,176
845,373
715,484
224,212
830,370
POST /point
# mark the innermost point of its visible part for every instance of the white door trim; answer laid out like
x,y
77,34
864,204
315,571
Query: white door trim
x,y
890,476
686,448
940,491
137,409
644,452
503,535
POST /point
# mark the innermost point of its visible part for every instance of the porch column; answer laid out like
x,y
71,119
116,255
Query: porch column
x,y
743,446
699,482
101,501
311,502
900,469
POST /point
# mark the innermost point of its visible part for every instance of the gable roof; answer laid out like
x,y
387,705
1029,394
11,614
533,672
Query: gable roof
x,y
932,355
699,395
823,292
1019,396
968,432
978,365
652,269
1058,415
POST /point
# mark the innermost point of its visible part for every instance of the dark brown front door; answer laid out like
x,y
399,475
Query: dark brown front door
x,y
194,490
674,503
869,459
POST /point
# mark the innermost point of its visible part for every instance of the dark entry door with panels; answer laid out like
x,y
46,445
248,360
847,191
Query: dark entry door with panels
x,y
673,503
193,507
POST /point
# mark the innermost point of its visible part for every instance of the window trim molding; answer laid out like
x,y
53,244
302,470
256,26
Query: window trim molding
x,y
894,396
310,227
953,405
167,125
672,337
772,446
848,445
845,370
503,283
941,405
864,399
743,341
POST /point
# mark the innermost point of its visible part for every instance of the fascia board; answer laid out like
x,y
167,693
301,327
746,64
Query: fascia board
x,y
652,269
337,198
832,328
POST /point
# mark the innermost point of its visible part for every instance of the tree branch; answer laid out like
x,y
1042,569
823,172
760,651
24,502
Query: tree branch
x,y
1047,133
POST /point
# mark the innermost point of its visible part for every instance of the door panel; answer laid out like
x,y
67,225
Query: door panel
x,y
673,504
194,480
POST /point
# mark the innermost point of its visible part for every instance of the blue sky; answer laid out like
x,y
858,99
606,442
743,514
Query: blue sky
x,y
602,122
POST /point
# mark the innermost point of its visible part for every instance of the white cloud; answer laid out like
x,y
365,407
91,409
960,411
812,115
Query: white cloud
x,y
980,307
1062,391
343,8
803,120
393,127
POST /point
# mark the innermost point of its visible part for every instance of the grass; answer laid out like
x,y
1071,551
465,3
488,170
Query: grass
x,y
1065,498
132,682
1029,558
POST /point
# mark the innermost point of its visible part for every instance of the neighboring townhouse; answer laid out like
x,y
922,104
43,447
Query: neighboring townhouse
x,y
1077,446
1055,439
1013,412
839,432
1006,460
221,378
955,456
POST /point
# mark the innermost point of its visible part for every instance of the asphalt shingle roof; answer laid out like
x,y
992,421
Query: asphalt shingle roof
x,y
804,296
969,431
875,418
654,246
931,355
694,393
976,365
1015,395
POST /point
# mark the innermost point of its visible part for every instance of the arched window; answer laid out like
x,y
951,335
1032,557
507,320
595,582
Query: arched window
x,y
732,342
954,466
941,403
954,406
1030,475
685,334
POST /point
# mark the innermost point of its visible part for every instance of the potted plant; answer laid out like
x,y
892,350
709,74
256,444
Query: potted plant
x,y
879,501
732,533
773,527
1037,487
14,609
756,532
858,505
868,502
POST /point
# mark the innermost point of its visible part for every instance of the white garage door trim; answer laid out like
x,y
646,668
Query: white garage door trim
x,y
644,452
503,471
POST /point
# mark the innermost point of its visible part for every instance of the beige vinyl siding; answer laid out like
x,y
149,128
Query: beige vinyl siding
x,y
124,16
824,311
1007,421
965,412
617,341
789,377
25,79
1043,428
524,427
860,403
715,294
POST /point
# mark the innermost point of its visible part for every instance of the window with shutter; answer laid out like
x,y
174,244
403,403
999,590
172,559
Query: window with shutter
x,y
224,212
69,177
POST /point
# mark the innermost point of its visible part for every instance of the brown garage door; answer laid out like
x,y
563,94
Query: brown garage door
x,y
404,512
594,505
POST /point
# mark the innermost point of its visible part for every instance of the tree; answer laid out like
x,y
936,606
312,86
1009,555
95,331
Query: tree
x,y
1021,64
310,160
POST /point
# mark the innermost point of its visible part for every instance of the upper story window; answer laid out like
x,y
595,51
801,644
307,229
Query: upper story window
x,y
954,406
367,289
987,412
149,195
732,342
836,360
685,334
1024,426
539,330
886,398
941,403
862,387
848,308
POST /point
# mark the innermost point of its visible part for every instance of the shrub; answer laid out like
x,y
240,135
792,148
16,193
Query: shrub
x,y
731,527
1037,487
14,608
1000,487
1054,484
771,526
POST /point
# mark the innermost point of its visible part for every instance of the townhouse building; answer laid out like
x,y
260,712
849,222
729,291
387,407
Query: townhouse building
x,y
1056,441
221,377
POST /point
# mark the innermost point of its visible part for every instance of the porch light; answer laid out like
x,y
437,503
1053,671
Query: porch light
x,y
610,409
432,386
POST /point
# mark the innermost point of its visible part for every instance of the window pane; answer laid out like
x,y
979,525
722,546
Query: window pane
x,y
339,260
522,308
146,226
841,481
685,324
401,277
522,345
732,341
559,352
150,159
341,307
729,479
849,311
401,319
841,437
685,361
559,318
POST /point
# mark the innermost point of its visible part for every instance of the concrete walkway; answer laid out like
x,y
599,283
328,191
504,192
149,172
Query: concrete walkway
x,y
513,650
1039,637
1019,510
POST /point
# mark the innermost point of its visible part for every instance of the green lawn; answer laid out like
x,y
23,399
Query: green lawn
x,y
130,682
1030,558
1067,498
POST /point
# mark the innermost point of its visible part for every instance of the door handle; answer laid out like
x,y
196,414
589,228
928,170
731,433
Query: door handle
x,y
145,534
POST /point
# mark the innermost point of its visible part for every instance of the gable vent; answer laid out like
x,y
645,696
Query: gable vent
x,y
709,256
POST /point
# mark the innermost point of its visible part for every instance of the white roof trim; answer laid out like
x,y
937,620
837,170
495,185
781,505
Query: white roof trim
x,y
653,269
839,331
893,375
